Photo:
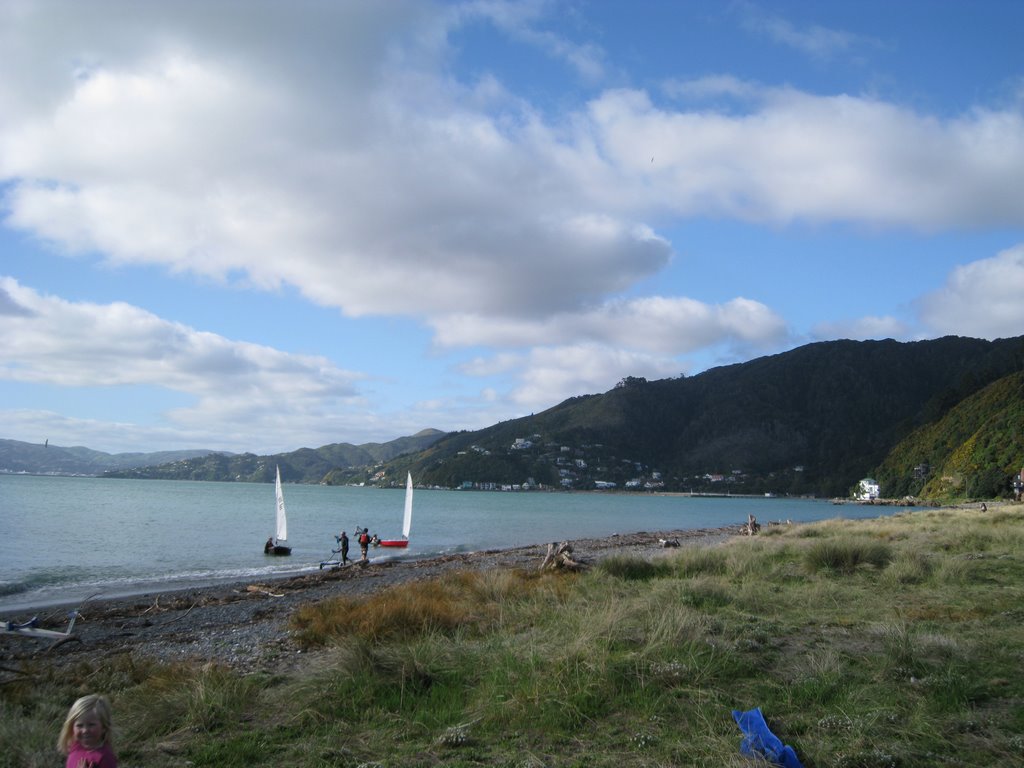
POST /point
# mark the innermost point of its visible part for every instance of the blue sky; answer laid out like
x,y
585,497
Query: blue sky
x,y
263,226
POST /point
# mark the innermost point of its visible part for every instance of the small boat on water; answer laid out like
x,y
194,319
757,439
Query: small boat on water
x,y
407,520
277,546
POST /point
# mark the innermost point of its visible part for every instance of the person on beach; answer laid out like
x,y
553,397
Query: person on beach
x,y
86,736
343,544
364,543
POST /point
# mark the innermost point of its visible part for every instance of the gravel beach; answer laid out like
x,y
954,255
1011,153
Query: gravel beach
x,y
245,625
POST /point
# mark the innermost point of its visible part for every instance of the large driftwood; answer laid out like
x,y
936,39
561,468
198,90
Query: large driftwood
x,y
559,558
752,526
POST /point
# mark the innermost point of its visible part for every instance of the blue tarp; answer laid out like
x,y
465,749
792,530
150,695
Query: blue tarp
x,y
759,740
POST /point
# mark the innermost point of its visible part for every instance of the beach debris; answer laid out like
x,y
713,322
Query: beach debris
x,y
559,558
668,543
759,741
752,526
154,607
32,629
262,589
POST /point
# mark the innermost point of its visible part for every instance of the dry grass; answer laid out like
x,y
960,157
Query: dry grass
x,y
463,602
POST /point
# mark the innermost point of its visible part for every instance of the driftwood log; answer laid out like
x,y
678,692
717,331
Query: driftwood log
x,y
559,558
752,526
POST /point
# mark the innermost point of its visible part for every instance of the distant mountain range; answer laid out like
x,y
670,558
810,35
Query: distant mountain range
x,y
45,459
306,465
941,419
303,465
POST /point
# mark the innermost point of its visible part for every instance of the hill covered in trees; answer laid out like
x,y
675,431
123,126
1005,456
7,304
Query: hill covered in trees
x,y
813,420
969,452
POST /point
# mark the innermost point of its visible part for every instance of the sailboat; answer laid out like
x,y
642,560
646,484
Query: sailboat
x,y
406,522
278,547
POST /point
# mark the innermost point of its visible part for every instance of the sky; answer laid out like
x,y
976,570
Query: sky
x,y
245,225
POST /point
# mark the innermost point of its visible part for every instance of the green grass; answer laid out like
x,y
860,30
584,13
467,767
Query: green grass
x,y
889,642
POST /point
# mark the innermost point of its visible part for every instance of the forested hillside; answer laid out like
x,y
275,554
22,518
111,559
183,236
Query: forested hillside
x,y
810,421
972,451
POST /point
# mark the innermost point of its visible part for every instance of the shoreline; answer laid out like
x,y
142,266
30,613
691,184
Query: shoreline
x,y
245,624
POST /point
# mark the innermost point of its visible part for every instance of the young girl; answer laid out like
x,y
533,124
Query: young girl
x,y
86,736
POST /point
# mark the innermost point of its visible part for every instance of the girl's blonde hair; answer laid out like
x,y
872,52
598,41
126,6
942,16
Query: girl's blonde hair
x,y
93,703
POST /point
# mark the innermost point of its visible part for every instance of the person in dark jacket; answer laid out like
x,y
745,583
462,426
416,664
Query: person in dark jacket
x,y
343,547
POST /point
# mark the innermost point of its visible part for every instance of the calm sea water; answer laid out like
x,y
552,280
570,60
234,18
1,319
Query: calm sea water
x,y
69,538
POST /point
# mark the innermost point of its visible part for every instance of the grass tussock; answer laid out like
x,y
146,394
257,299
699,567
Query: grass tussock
x,y
634,568
846,556
696,561
909,568
181,697
910,659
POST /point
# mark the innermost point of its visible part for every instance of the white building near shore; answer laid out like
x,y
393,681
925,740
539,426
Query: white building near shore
x,y
867,489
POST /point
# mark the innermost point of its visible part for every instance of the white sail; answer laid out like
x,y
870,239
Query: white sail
x,y
407,521
282,521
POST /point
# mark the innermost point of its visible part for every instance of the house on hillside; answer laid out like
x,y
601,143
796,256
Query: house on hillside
x,y
867,490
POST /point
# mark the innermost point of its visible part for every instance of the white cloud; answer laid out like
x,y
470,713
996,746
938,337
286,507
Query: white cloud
x,y
520,20
983,298
239,156
980,299
812,39
547,375
794,156
590,351
712,86
192,159
37,426
657,325
863,328
333,150
72,345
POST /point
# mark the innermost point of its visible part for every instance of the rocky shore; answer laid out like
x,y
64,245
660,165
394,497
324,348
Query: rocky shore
x,y
246,625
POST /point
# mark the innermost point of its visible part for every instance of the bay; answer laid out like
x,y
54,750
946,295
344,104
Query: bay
x,y
71,538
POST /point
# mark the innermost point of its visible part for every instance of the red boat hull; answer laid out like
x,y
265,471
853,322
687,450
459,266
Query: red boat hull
x,y
394,543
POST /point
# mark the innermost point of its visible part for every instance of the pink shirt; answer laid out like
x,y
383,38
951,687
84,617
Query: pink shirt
x,y
80,757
